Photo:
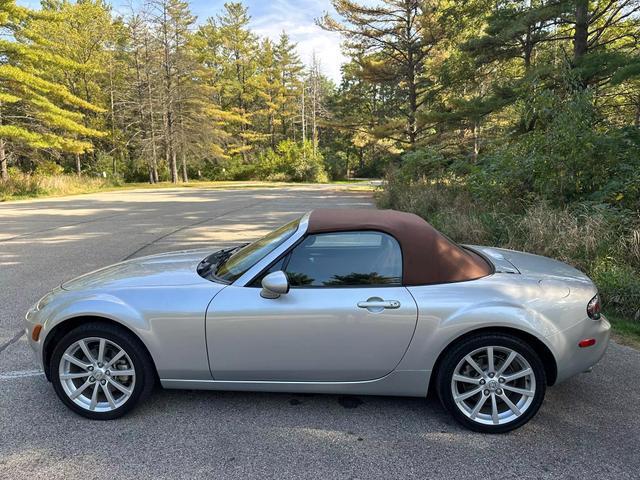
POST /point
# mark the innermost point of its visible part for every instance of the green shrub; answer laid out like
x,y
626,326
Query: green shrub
x,y
49,167
619,286
602,241
292,161
567,154
423,164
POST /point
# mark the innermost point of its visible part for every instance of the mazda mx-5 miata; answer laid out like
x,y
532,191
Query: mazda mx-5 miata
x,y
348,301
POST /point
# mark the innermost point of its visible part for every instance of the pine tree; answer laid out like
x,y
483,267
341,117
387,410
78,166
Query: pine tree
x,y
34,111
268,84
237,82
289,69
516,28
84,33
139,94
392,43
522,47
173,21
215,70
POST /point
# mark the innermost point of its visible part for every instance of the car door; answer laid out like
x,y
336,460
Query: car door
x,y
347,316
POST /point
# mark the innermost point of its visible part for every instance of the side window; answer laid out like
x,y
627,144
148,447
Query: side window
x,y
346,259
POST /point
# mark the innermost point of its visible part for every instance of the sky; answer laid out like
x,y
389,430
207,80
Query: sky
x,y
269,18
296,17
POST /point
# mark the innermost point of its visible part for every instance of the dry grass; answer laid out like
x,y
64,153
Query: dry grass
x,y
23,185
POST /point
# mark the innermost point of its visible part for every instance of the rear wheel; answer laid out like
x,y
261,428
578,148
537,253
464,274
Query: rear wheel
x,y
492,383
101,371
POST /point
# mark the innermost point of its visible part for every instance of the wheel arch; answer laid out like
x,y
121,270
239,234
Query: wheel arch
x,y
546,356
65,326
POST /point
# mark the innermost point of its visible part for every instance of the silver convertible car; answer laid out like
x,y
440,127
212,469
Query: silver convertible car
x,y
348,301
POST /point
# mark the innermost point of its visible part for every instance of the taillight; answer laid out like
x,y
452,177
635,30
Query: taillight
x,y
593,308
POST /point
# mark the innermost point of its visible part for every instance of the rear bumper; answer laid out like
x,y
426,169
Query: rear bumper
x,y
571,359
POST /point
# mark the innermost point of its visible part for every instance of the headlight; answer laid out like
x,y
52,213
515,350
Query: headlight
x,y
45,300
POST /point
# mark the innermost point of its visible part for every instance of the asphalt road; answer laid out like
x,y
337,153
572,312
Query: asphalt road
x,y
588,427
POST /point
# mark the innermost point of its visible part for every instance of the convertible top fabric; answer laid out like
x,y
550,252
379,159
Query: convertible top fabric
x,y
428,257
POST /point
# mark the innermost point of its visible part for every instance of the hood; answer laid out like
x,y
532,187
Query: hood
x,y
166,269
532,265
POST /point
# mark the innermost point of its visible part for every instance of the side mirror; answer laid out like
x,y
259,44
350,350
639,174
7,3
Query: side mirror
x,y
274,285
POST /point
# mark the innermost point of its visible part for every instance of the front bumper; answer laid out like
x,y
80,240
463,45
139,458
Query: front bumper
x,y
30,321
570,358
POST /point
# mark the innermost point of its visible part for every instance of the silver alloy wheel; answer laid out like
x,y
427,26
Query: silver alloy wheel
x,y
97,374
493,385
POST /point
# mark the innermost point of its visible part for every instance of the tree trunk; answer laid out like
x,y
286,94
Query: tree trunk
x,y
272,130
528,50
314,107
413,107
169,144
4,171
173,165
581,34
346,166
169,99
141,102
304,122
152,125
154,147
183,159
114,147
78,165
315,103
411,78
476,140
154,158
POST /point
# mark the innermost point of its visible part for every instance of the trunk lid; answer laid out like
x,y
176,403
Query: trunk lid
x,y
531,265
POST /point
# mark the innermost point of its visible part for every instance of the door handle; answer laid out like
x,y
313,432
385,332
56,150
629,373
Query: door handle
x,y
376,304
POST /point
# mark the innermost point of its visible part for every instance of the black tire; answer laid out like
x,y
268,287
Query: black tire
x,y
470,344
145,374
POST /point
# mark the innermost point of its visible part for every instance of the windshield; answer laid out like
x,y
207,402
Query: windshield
x,y
242,260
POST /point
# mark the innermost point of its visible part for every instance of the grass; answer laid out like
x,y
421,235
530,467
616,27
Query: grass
x,y
20,185
23,186
626,332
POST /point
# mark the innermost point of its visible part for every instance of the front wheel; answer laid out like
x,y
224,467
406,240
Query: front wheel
x,y
492,383
101,371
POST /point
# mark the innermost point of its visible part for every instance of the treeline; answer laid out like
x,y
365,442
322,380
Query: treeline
x,y
151,95
515,98
512,98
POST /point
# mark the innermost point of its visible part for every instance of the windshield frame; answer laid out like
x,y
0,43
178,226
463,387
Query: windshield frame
x,y
246,279
237,279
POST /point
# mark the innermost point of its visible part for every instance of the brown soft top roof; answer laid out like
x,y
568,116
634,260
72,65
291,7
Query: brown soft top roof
x,y
428,257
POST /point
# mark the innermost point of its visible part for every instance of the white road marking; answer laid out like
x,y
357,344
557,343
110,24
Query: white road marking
x,y
20,374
